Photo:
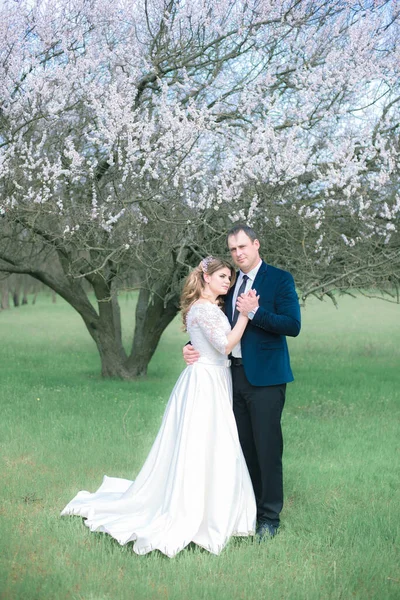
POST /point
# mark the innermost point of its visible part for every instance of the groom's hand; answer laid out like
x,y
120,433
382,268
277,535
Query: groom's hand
x,y
247,302
190,355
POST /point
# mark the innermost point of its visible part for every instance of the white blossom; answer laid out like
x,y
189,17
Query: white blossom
x,y
106,123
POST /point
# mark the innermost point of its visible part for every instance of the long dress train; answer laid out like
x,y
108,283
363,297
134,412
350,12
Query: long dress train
x,y
194,485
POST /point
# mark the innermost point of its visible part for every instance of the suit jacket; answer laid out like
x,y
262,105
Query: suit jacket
x,y
264,348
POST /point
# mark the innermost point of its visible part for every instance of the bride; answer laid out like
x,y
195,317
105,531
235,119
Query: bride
x,y
194,485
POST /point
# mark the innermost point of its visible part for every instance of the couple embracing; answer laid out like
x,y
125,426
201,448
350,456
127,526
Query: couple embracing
x,y
212,472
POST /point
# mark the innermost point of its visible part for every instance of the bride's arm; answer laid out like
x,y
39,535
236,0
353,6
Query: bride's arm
x,y
236,334
212,322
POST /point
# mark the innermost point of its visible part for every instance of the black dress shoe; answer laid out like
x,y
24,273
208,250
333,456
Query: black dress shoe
x,y
266,530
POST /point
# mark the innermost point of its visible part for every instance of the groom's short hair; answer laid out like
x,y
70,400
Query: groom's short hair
x,y
242,227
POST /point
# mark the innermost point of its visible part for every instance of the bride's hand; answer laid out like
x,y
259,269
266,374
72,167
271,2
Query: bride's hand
x,y
247,302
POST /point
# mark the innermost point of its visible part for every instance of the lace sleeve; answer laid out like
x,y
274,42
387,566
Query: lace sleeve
x,y
212,323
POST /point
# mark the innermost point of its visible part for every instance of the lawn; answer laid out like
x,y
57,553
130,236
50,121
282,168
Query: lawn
x,y
62,428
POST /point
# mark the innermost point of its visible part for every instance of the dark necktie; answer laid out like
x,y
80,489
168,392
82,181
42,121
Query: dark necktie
x,y
241,291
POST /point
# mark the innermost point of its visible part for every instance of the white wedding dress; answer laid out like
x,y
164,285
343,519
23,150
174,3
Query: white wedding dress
x,y
194,485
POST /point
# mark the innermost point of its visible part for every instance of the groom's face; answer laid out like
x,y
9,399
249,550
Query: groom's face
x,y
244,251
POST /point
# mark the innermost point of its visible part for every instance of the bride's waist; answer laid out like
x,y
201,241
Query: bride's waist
x,y
215,361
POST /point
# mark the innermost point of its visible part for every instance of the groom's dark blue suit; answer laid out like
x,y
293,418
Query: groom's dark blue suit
x,y
264,347
259,384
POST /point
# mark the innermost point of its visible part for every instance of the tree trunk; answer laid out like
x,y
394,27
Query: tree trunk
x,y
16,289
152,318
26,285
113,361
5,299
106,330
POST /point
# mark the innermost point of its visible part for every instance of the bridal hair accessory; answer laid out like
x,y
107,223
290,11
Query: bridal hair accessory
x,y
205,263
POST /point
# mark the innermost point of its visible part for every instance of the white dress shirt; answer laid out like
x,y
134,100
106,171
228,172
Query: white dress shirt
x,y
237,350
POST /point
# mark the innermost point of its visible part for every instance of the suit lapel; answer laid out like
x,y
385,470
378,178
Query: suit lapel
x,y
261,273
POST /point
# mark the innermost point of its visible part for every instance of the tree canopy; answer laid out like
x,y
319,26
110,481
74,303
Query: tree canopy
x,y
133,133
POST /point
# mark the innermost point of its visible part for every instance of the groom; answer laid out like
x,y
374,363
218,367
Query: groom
x,y
260,368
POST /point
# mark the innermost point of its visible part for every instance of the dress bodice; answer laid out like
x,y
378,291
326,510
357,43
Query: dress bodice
x,y
208,327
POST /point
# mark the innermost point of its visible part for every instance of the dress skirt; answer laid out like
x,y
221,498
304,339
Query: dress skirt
x,y
194,485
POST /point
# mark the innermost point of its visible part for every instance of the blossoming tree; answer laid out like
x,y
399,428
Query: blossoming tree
x,y
133,133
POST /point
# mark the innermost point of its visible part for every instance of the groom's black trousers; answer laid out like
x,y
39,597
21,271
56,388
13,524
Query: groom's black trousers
x,y
258,413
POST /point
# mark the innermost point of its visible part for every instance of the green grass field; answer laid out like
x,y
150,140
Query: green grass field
x,y
62,428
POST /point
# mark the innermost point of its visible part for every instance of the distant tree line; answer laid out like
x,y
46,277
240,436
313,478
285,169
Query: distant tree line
x,y
17,290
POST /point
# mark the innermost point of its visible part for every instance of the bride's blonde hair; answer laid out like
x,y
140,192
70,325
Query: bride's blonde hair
x,y
195,283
